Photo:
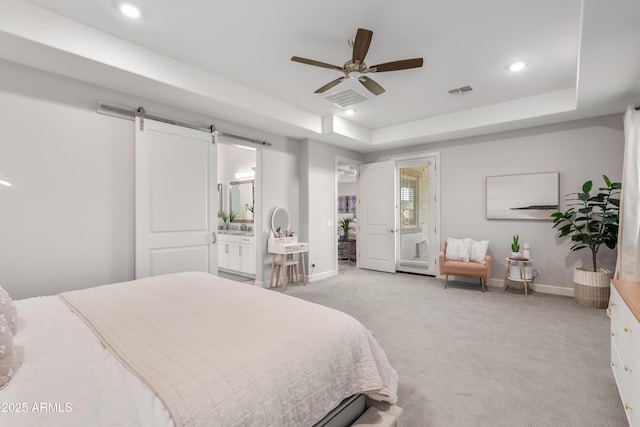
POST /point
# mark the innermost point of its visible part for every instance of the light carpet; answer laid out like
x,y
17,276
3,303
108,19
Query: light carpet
x,y
467,358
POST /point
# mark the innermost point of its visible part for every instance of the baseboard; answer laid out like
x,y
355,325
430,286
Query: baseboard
x,y
310,278
554,290
321,276
543,289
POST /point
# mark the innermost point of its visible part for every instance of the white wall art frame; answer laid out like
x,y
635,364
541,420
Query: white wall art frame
x,y
533,196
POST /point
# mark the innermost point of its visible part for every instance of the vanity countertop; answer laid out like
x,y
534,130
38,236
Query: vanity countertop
x,y
236,232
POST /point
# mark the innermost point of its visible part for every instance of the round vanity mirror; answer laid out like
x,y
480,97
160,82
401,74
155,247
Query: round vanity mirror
x,y
280,219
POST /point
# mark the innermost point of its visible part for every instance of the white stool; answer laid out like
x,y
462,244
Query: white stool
x,y
291,271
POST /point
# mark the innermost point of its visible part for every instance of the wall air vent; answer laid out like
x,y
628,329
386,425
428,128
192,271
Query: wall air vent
x,y
461,90
346,97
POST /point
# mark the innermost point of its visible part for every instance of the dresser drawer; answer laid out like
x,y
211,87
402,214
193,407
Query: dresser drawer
x,y
296,247
623,381
625,329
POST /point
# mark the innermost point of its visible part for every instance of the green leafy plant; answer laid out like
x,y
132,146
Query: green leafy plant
x,y
515,245
345,225
232,216
591,220
223,215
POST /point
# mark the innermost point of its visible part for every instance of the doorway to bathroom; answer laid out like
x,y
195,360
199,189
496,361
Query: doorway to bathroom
x,y
236,219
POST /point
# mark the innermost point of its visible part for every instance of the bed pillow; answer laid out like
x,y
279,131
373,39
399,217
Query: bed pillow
x,y
458,249
8,311
6,353
479,251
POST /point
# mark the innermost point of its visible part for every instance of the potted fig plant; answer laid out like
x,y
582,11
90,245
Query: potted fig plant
x,y
591,220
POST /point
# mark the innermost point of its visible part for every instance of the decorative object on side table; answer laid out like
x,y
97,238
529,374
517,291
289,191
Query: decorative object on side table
x,y
515,247
591,221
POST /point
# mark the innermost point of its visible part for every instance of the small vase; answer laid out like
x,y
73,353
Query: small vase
x,y
515,255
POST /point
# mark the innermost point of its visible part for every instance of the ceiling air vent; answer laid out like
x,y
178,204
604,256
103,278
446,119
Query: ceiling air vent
x,y
461,90
345,98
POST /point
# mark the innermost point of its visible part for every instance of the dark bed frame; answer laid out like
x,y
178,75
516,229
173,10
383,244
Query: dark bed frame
x,y
345,414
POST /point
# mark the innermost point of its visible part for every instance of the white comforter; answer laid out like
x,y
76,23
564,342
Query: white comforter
x,y
304,359
66,377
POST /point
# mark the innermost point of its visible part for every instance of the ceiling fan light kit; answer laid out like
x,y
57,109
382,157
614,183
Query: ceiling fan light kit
x,y
517,66
356,68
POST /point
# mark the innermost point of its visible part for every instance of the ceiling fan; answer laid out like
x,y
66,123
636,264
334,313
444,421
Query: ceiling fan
x,y
355,68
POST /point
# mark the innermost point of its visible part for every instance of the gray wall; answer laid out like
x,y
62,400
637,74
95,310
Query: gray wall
x,y
579,150
318,203
67,222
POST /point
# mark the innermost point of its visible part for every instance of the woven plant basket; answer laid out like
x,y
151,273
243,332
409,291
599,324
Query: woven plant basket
x,y
591,288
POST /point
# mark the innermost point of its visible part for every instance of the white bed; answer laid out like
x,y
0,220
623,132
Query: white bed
x,y
282,361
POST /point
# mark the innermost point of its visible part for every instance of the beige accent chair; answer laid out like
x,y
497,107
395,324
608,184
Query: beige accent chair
x,y
461,268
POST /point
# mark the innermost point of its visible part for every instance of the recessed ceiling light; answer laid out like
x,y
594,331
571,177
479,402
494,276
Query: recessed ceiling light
x,y
349,112
517,66
5,183
130,10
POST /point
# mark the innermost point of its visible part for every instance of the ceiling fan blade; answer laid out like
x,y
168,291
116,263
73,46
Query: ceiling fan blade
x,y
330,85
361,44
316,63
404,64
371,85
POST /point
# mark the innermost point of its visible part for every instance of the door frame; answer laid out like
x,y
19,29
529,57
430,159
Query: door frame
x,y
435,248
257,214
342,159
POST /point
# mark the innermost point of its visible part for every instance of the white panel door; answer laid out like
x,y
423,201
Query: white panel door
x,y
176,208
376,217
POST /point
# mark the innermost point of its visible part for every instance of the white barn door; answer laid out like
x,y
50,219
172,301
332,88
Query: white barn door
x,y
376,217
175,202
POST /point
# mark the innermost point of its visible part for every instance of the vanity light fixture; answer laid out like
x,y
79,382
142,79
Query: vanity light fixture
x,y
349,112
130,10
245,175
517,66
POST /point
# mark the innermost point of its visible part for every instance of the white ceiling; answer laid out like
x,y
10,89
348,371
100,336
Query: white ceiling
x,y
232,60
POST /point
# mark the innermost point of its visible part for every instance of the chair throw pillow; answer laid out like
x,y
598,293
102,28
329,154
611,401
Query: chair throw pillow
x,y
8,311
479,251
6,354
458,249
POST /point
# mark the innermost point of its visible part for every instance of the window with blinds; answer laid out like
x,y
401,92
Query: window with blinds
x,y
414,214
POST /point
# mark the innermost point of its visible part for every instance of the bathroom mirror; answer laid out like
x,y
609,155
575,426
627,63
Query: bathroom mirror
x,y
280,219
241,200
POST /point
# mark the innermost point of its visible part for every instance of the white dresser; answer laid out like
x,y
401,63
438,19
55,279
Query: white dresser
x,y
625,345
